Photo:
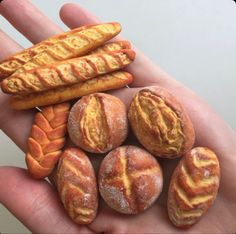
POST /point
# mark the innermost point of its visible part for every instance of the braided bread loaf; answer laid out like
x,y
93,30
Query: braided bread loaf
x,y
47,139
67,72
74,45
194,186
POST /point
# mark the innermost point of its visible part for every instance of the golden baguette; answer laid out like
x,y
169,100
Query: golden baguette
x,y
11,64
46,140
106,82
112,46
74,45
67,72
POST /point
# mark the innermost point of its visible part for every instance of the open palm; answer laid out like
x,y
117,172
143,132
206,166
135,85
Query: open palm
x,y
36,203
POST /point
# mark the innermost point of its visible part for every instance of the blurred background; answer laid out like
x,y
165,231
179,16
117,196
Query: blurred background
x,y
194,41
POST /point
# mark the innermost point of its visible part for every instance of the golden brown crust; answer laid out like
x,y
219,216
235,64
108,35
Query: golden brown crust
x,y
160,123
112,46
103,83
67,72
130,179
77,186
193,187
74,45
11,64
46,140
98,123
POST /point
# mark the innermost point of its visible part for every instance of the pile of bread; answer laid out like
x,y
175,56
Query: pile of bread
x,y
81,63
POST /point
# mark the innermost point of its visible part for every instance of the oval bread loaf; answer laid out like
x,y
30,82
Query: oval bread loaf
x,y
193,187
130,179
160,123
77,186
98,123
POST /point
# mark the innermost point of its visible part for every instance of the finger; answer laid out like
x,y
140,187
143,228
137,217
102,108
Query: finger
x,y
9,46
35,203
15,124
28,20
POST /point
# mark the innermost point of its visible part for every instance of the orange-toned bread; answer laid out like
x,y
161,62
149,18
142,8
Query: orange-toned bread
x,y
11,64
193,187
77,186
103,83
74,45
98,123
130,179
112,46
160,123
67,72
46,140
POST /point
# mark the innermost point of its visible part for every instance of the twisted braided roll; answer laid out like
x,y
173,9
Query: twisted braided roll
x,y
74,45
67,72
47,139
194,186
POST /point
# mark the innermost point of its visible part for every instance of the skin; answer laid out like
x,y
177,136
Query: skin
x,y
33,202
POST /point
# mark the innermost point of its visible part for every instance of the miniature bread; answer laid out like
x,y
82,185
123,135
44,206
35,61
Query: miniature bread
x,y
47,139
160,123
98,123
67,72
11,64
74,45
112,46
103,83
130,179
193,187
77,186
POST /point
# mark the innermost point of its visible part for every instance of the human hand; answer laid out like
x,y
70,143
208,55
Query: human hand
x,y
38,206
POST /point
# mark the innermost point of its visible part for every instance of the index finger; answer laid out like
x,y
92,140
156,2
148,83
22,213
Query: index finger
x,y
28,20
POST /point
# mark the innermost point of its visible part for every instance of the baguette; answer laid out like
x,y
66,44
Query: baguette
x,y
112,46
106,82
47,139
74,45
67,72
11,64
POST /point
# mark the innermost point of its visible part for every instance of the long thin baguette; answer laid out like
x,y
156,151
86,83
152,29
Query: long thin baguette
x,y
112,46
67,72
11,64
106,82
74,45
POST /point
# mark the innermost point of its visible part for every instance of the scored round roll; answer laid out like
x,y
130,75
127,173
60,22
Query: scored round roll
x,y
98,123
130,179
160,123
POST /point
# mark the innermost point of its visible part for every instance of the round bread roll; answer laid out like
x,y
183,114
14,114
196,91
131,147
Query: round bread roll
x,y
98,123
160,123
130,179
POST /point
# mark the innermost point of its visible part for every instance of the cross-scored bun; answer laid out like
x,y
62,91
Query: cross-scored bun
x,y
130,179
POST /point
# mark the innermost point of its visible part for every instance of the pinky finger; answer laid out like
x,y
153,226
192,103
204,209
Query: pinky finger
x,y
34,203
